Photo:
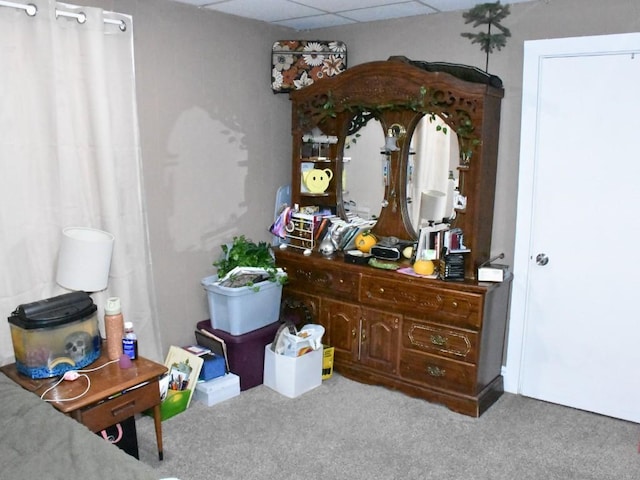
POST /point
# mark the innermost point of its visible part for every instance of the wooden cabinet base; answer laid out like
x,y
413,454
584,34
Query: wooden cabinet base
x,y
431,339
473,406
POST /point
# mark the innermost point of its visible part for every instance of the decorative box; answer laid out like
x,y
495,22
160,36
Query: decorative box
x,y
298,63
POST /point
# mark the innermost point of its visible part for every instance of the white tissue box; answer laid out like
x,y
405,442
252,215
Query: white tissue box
x,y
217,390
292,376
493,273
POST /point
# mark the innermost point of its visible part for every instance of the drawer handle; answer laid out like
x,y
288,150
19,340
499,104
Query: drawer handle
x,y
436,371
381,290
438,340
122,408
454,304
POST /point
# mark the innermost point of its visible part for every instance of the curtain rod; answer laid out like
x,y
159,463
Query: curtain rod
x,y
31,10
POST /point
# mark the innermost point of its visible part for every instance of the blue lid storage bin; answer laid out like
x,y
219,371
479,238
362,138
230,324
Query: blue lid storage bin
x,y
241,310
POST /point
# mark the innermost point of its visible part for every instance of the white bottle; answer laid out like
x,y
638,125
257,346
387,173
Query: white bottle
x,y
452,184
130,341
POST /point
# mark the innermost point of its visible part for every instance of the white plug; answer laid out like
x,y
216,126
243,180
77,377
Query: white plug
x,y
71,375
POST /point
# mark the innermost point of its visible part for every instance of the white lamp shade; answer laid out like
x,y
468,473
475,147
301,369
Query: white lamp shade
x,y
432,205
84,259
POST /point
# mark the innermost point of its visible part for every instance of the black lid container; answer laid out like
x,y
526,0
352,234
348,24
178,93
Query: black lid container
x,y
54,335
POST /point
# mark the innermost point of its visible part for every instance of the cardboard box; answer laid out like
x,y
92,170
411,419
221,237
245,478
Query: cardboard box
x,y
292,376
218,390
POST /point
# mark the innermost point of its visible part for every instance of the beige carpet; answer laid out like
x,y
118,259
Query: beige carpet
x,y
346,430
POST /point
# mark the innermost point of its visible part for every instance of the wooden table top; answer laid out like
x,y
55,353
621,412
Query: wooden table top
x,y
106,382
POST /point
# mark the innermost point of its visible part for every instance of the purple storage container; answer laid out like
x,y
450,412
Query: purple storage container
x,y
245,352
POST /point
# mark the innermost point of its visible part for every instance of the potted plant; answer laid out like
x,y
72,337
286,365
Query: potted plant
x,y
246,263
245,294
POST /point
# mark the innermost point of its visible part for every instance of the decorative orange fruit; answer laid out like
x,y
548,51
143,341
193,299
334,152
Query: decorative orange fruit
x,y
424,267
365,240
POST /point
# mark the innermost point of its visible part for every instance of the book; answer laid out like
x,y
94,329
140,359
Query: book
x,y
179,383
215,344
198,350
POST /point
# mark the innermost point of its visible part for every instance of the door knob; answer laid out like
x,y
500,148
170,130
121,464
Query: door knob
x,y
542,259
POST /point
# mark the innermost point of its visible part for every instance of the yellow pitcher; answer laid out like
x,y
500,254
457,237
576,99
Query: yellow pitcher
x,y
316,180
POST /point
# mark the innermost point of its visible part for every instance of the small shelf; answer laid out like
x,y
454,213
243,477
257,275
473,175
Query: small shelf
x,y
316,159
316,195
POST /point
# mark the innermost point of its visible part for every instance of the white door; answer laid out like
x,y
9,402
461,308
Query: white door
x,y
575,323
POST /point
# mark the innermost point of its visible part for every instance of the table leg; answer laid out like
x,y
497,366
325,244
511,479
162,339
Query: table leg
x,y
157,420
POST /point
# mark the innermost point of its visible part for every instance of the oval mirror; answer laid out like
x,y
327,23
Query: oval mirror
x,y
432,172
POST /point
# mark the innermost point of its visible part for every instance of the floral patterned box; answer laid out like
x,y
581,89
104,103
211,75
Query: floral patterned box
x,y
298,63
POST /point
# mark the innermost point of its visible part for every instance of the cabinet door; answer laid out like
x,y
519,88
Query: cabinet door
x,y
379,336
341,320
300,308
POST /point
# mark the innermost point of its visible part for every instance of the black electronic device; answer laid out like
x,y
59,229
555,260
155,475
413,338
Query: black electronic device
x,y
386,253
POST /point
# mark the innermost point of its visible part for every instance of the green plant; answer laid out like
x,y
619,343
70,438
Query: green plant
x,y
489,14
245,253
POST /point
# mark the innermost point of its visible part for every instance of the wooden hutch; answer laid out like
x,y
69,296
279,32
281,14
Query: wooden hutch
x,y
434,339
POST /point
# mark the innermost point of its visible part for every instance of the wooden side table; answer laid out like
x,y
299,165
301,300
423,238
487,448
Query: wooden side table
x,y
115,394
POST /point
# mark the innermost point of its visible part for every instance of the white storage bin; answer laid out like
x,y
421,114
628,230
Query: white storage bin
x,y
218,390
243,309
292,376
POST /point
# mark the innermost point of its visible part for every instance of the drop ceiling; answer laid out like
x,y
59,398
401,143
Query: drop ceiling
x,y
311,14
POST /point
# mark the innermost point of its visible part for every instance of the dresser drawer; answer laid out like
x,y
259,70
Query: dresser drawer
x,y
453,307
438,372
437,339
121,407
324,280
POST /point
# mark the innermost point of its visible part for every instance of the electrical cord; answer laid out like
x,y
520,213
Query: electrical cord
x,y
73,375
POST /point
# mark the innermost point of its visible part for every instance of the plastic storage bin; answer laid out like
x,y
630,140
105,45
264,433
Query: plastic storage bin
x,y
245,352
55,335
243,309
292,376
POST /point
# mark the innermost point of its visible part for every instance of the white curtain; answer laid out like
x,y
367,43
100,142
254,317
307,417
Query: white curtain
x,y
70,156
437,153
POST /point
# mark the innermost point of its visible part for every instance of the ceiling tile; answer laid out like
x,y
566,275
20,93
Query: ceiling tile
x,y
310,14
198,3
316,21
407,9
342,5
272,12
451,5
